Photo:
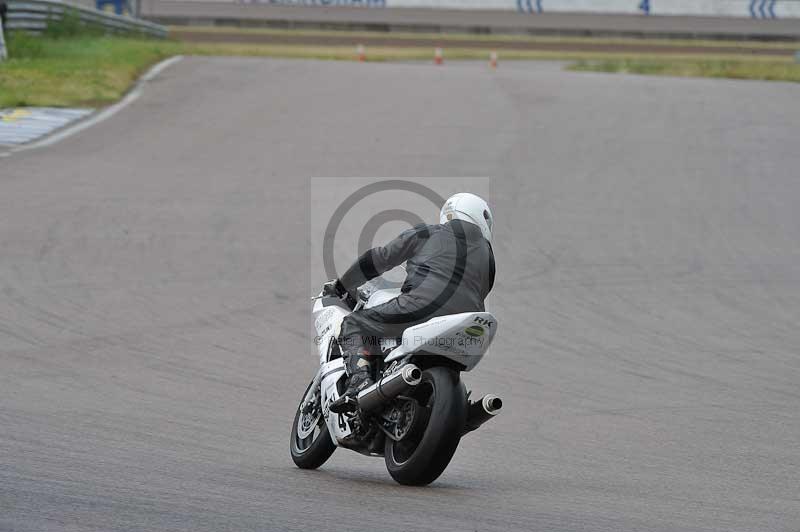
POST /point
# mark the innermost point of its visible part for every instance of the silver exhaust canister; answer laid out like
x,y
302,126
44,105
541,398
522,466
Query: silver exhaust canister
x,y
481,411
386,389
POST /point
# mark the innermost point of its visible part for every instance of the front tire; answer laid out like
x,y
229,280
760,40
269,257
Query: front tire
x,y
419,458
310,443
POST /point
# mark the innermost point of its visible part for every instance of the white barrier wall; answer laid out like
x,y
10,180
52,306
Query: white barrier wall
x,y
734,8
731,8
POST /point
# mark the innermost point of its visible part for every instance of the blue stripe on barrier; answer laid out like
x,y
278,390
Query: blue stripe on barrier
x,y
527,6
763,8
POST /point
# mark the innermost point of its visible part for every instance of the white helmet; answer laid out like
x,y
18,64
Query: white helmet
x,y
469,208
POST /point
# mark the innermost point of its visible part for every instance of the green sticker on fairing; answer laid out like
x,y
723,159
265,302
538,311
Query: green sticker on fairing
x,y
475,330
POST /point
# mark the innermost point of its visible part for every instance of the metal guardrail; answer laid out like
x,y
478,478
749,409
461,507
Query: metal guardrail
x,y
34,15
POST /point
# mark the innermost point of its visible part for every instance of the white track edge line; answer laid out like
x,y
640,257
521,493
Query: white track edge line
x,y
103,115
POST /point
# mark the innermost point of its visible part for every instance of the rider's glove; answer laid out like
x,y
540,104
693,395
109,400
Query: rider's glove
x,y
333,289
336,289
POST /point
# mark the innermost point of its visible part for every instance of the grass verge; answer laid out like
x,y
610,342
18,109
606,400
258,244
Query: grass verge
x,y
693,67
75,71
92,70
444,38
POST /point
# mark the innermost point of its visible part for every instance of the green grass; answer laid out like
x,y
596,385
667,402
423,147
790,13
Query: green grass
x,y
178,31
708,68
77,71
411,53
66,69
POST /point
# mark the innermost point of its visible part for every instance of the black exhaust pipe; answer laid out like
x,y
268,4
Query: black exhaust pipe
x,y
481,411
383,391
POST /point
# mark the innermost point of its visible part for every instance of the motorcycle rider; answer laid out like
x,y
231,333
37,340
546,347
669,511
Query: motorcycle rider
x,y
449,269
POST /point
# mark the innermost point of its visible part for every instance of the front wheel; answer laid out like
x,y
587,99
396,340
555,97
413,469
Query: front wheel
x,y
440,411
310,443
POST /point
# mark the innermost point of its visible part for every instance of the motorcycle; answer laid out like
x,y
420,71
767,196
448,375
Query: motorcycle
x,y
418,409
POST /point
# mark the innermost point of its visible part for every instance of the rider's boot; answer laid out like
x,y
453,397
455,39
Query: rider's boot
x,y
359,368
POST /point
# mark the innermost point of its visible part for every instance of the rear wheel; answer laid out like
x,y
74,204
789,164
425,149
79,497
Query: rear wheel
x,y
439,406
310,443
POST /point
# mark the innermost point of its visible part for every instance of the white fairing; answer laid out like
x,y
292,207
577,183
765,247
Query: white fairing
x,y
463,338
331,373
327,323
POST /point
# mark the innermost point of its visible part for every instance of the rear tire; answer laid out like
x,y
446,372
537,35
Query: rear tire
x,y
310,443
418,460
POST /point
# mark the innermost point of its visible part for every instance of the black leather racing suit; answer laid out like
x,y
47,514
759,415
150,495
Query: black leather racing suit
x,y
450,269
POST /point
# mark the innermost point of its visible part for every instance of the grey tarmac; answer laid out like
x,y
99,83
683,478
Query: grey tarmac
x,y
154,316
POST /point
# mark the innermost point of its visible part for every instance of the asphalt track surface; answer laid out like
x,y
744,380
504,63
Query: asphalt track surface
x,y
154,322
204,13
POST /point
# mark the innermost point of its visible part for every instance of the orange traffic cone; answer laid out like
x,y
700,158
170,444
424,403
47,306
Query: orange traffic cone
x,y
361,52
438,57
493,59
